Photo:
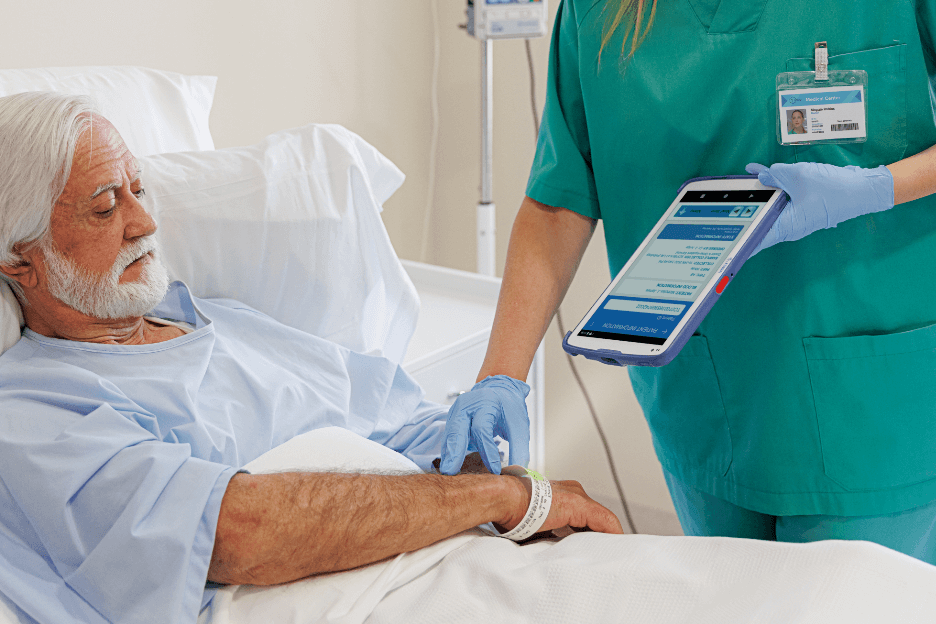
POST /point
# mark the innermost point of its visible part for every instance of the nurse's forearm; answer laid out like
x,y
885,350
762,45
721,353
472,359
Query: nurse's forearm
x,y
546,246
914,177
276,528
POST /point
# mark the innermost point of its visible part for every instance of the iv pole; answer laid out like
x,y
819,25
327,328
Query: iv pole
x,y
486,216
489,20
486,220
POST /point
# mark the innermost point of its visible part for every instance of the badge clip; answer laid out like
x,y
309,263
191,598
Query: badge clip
x,y
822,61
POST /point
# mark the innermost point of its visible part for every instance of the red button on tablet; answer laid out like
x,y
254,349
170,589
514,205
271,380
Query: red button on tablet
x,y
721,285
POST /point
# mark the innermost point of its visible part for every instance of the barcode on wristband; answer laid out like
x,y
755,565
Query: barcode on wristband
x,y
843,127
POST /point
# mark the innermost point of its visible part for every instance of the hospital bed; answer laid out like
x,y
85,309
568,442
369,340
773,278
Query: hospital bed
x,y
292,227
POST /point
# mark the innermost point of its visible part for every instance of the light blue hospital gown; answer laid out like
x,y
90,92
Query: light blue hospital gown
x,y
114,459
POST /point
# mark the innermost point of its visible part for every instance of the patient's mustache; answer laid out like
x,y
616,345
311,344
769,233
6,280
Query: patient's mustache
x,y
133,251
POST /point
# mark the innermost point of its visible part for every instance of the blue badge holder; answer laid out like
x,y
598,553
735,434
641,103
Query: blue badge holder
x,y
616,358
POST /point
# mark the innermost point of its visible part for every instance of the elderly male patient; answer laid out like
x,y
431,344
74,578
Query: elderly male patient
x,y
129,405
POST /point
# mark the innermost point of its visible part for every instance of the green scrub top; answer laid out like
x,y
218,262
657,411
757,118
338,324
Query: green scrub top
x,y
810,388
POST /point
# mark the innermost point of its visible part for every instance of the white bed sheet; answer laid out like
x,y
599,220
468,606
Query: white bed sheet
x,y
587,577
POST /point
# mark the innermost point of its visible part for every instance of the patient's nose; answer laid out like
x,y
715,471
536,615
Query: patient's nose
x,y
139,221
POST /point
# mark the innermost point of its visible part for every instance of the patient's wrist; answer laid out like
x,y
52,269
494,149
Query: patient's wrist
x,y
518,493
537,511
513,496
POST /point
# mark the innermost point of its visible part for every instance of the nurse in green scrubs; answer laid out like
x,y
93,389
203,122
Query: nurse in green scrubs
x,y
804,408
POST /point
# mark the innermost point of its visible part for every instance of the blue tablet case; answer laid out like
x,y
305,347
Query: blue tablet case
x,y
616,358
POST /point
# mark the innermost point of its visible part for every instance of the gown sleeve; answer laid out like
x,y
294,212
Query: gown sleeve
x,y
126,520
562,173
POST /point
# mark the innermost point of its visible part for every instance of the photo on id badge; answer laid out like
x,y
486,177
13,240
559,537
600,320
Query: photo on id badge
x,y
796,121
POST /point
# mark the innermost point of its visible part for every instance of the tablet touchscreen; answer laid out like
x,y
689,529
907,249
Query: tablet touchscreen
x,y
660,285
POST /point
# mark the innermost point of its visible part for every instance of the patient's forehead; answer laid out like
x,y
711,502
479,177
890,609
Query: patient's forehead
x,y
101,158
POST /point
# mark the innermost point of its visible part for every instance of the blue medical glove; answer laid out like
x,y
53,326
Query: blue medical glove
x,y
822,196
495,406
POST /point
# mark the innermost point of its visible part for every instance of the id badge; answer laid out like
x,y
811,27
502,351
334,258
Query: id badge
x,y
822,106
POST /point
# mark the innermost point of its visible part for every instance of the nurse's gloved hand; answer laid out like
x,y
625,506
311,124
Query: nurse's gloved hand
x,y
495,406
822,196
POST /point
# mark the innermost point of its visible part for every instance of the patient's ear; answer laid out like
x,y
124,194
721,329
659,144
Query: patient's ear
x,y
22,270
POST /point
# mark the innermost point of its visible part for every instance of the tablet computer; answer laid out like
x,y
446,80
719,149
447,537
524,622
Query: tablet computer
x,y
647,313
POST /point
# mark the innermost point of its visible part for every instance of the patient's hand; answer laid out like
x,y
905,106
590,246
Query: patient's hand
x,y
571,507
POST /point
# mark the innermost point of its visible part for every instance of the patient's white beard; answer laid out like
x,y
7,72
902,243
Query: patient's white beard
x,y
100,295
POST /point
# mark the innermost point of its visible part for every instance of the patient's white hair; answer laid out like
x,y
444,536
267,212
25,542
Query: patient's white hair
x,y
38,134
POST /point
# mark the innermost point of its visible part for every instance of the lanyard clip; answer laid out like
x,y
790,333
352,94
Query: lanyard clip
x,y
822,61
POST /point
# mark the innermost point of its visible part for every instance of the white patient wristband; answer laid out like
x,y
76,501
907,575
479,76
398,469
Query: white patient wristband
x,y
540,502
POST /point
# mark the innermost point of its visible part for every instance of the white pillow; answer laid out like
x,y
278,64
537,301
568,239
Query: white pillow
x,y
11,318
332,449
154,111
290,226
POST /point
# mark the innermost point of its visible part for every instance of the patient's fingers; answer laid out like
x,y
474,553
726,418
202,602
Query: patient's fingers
x,y
571,506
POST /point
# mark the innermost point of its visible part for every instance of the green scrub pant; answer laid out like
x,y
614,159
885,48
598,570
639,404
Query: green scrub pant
x,y
912,532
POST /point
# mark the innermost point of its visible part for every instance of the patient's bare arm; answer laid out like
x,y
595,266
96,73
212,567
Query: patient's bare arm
x,y
280,527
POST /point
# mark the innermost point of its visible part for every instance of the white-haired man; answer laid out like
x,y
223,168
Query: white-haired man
x,y
129,405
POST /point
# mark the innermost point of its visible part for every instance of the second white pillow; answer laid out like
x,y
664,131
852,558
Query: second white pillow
x,y
290,226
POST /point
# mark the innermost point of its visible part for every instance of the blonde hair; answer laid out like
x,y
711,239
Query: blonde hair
x,y
632,15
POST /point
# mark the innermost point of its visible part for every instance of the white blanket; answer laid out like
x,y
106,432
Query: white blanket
x,y
587,577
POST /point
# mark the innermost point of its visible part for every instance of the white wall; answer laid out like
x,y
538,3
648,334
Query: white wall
x,y
367,64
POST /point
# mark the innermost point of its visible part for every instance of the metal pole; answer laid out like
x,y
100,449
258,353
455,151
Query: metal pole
x,y
486,210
